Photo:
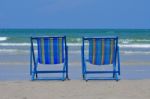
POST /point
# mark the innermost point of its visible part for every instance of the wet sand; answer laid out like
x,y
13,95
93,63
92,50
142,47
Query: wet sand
x,y
16,66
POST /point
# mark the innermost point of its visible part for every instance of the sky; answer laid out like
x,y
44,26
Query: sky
x,y
134,14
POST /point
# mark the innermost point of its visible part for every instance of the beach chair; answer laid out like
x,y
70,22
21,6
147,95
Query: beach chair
x,y
50,51
102,51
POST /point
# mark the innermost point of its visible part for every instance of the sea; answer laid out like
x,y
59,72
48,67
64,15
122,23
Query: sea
x,y
131,41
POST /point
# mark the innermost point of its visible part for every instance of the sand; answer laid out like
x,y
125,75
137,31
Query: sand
x,y
75,89
15,84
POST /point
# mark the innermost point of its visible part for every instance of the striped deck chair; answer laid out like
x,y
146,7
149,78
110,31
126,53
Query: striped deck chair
x,y
50,50
102,51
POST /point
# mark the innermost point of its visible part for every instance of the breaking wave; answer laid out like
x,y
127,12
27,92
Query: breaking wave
x,y
3,38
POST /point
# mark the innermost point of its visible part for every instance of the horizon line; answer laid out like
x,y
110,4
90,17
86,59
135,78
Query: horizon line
x,y
83,28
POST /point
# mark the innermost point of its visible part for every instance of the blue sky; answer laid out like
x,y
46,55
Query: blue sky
x,y
75,14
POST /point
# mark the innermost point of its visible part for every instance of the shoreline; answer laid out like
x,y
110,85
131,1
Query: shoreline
x,y
16,66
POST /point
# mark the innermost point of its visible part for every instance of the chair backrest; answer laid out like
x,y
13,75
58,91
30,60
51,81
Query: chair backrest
x,y
51,50
102,51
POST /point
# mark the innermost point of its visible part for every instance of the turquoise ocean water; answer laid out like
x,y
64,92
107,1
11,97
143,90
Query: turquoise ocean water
x,y
128,38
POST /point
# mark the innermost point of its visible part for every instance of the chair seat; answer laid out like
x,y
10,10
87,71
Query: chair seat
x,y
102,51
50,51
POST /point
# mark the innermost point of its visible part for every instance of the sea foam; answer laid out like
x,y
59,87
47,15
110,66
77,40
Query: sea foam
x,y
136,45
3,38
15,44
130,41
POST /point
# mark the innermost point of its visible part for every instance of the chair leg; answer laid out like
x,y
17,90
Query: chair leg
x,y
83,76
67,77
66,72
36,75
117,79
85,79
32,78
84,72
113,75
63,77
114,71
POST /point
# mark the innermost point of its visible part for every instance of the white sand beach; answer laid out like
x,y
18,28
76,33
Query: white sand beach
x,y
75,89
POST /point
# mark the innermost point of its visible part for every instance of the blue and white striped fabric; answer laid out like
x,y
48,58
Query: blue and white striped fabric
x,y
51,50
101,51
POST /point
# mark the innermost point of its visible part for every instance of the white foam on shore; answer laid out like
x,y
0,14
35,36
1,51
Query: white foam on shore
x,y
134,45
123,52
136,52
14,51
74,44
3,38
28,44
129,41
79,44
8,50
18,51
15,44
120,45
